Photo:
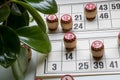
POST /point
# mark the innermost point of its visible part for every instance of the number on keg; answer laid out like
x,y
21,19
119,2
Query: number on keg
x,y
104,16
115,6
78,26
98,65
83,65
114,64
103,7
69,56
66,79
78,17
54,66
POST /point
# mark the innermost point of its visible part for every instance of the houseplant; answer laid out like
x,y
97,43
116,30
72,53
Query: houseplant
x,y
15,29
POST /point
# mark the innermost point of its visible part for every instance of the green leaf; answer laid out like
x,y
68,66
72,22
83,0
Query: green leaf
x,y
9,46
7,59
20,66
44,6
15,9
35,38
4,13
15,21
34,14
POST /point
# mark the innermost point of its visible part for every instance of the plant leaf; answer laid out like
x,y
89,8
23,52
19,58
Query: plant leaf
x,y
34,14
4,13
20,66
15,9
44,6
35,38
15,21
9,46
7,59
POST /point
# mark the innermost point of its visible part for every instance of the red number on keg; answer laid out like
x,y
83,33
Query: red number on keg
x,y
66,18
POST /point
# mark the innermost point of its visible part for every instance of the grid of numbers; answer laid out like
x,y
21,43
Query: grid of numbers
x,y
80,60
108,16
